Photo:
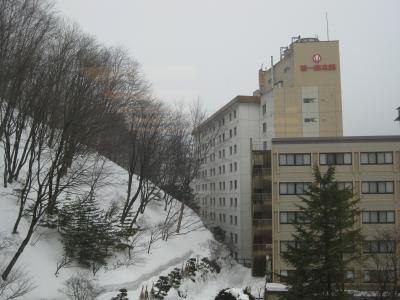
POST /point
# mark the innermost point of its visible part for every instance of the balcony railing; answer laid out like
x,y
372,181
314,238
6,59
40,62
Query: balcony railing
x,y
261,171
261,198
262,222
260,247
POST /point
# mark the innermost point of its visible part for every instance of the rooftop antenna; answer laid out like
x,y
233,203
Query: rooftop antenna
x,y
327,25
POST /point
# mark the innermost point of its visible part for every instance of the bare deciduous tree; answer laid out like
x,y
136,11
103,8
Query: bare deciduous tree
x,y
155,234
80,287
18,284
384,266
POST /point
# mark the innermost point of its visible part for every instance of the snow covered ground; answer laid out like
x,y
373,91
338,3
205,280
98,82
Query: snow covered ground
x,y
40,257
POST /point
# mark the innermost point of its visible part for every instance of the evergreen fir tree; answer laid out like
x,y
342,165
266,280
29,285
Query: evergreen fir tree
x,y
87,233
326,240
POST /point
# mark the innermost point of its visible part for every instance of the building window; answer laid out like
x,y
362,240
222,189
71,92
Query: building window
x,y
230,168
230,202
310,120
234,131
264,109
235,166
284,274
230,133
286,244
295,159
230,150
234,114
231,221
235,220
345,185
236,185
236,238
309,100
292,217
384,246
264,127
377,187
349,276
264,145
378,217
376,158
293,188
235,149
236,202
335,158
379,276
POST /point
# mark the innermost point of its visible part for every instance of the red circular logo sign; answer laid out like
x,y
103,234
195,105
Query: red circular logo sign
x,y
316,58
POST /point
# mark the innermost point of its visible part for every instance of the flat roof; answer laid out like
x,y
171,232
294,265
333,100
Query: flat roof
x,y
337,139
237,99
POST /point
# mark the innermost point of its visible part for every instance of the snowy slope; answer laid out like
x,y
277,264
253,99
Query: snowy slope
x,y
41,255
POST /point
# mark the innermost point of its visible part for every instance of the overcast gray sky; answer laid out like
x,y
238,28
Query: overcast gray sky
x,y
212,49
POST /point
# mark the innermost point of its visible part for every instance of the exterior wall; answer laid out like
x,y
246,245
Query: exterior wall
x,y
355,173
249,129
297,77
244,116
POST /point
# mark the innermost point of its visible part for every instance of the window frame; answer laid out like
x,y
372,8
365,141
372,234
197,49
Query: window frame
x,y
296,157
379,246
378,217
296,185
294,215
377,187
375,160
335,156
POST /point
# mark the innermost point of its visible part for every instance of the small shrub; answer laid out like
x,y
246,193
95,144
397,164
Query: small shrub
x,y
233,294
79,287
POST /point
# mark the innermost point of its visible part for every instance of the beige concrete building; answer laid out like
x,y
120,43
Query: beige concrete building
x,y
299,96
301,93
369,165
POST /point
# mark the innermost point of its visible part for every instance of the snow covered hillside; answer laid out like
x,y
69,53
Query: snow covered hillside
x,y
45,251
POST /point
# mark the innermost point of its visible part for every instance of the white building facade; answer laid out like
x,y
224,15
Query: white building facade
x,y
224,185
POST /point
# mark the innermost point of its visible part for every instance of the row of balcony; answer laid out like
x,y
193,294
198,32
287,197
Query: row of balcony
x,y
262,221
259,170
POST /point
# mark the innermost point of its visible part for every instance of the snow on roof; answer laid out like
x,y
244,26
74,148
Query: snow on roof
x,y
276,287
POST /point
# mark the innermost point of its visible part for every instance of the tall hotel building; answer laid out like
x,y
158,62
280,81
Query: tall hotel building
x,y
299,96
262,149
